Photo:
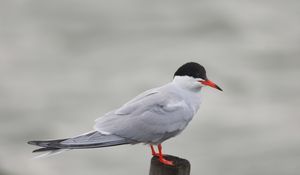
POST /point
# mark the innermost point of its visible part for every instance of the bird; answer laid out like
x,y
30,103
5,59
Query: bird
x,y
151,118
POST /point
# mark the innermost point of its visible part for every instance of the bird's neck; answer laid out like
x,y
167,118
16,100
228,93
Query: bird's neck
x,y
189,91
187,83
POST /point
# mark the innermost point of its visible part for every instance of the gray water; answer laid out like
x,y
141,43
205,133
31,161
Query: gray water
x,y
65,63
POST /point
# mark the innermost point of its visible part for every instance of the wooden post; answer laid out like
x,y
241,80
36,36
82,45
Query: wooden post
x,y
181,166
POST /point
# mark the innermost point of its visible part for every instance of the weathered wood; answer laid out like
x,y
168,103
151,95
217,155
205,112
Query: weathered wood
x,y
181,166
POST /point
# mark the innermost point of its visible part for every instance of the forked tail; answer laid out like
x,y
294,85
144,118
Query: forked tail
x,y
90,140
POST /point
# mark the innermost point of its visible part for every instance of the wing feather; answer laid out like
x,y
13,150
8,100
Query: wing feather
x,y
151,117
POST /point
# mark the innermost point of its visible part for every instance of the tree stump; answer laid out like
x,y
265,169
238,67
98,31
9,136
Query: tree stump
x,y
181,166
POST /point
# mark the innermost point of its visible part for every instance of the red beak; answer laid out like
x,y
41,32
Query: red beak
x,y
211,84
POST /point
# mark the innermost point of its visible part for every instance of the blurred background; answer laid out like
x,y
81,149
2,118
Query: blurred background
x,y
65,63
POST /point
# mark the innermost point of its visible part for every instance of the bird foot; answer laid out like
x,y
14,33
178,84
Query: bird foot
x,y
166,162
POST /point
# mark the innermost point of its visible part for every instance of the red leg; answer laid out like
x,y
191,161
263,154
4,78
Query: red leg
x,y
153,151
161,158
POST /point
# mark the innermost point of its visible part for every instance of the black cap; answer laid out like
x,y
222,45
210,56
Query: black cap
x,y
191,69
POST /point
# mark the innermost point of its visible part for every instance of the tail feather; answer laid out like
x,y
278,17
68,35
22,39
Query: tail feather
x,y
45,149
49,153
46,143
90,140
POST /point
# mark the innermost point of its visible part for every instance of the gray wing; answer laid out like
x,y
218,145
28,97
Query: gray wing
x,y
151,117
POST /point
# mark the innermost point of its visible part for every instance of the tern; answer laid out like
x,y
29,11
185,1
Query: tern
x,y
150,118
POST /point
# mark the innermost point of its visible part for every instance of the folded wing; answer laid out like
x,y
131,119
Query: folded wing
x,y
152,117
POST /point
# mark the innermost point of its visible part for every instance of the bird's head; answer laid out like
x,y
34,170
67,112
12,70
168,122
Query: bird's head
x,y
193,76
